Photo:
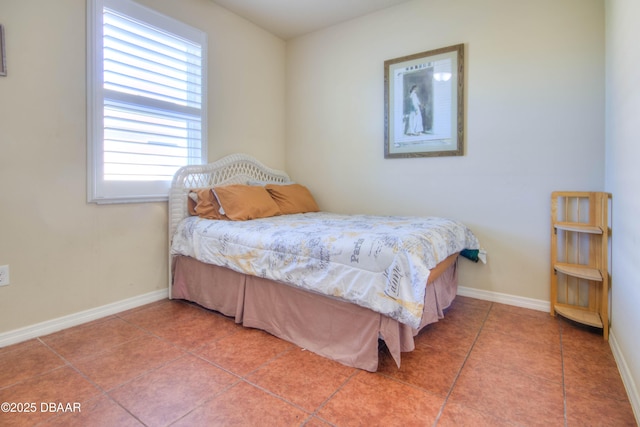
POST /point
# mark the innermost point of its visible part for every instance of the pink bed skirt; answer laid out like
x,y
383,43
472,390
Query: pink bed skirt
x,y
335,329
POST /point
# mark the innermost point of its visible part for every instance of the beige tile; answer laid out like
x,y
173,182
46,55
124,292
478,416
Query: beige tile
x,y
160,315
467,314
476,303
166,394
244,405
127,361
455,415
302,377
522,324
62,385
99,412
520,311
91,339
583,376
585,343
244,351
197,330
187,326
376,400
448,335
430,369
583,409
28,359
541,359
509,395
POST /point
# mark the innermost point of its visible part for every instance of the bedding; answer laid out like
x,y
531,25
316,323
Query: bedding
x,y
381,263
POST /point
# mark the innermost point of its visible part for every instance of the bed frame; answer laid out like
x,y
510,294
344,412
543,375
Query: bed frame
x,y
335,329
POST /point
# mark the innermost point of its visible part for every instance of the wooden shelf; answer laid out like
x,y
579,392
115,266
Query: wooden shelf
x,y
578,227
580,233
585,317
580,271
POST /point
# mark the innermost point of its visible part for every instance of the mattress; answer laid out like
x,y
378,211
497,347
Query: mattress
x,y
378,263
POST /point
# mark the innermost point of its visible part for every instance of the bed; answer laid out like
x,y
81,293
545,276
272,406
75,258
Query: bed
x,y
337,285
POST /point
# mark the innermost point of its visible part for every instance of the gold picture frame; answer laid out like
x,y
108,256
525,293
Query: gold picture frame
x,y
424,104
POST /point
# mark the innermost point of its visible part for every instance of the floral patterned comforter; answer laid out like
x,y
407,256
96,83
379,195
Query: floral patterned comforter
x,y
377,262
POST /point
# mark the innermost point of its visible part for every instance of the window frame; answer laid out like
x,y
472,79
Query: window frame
x,y
100,190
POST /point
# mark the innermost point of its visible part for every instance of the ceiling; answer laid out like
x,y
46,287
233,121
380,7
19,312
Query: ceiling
x,y
291,18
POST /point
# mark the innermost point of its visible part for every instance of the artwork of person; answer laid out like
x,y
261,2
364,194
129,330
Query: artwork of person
x,y
414,115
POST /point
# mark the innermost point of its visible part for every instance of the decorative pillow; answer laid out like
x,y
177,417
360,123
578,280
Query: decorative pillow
x,y
242,202
207,205
292,198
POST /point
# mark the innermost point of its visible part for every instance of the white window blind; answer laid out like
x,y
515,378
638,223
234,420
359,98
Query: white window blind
x,y
148,108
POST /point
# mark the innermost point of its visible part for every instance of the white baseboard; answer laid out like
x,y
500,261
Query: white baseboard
x,y
625,373
50,326
534,304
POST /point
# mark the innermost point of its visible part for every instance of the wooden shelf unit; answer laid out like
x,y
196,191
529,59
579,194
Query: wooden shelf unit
x,y
580,278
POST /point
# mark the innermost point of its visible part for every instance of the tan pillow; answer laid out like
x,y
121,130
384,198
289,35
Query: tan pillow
x,y
292,198
243,202
207,205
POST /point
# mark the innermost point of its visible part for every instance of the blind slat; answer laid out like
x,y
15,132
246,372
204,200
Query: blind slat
x,y
147,148
175,80
147,89
145,128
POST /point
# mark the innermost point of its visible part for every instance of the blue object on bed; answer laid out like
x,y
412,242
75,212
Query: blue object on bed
x,y
471,254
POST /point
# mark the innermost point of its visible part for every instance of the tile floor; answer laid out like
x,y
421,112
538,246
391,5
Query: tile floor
x,y
173,363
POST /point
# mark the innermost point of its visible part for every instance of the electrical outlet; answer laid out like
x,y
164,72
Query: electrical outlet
x,y
4,275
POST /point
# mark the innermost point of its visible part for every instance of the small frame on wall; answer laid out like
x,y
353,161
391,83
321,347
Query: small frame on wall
x,y
424,104
3,57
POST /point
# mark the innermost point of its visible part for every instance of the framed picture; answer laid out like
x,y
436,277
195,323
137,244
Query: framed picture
x,y
3,57
424,104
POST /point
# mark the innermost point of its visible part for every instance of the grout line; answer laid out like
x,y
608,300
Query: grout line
x,y
455,380
344,383
277,396
101,390
564,388
243,379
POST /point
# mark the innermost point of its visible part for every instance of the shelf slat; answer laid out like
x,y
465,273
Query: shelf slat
x,y
580,271
579,227
586,317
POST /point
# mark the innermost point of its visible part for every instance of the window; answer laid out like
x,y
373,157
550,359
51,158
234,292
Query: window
x,y
147,101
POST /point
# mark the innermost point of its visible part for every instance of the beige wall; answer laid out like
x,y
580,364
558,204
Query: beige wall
x,y
623,181
65,255
534,123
